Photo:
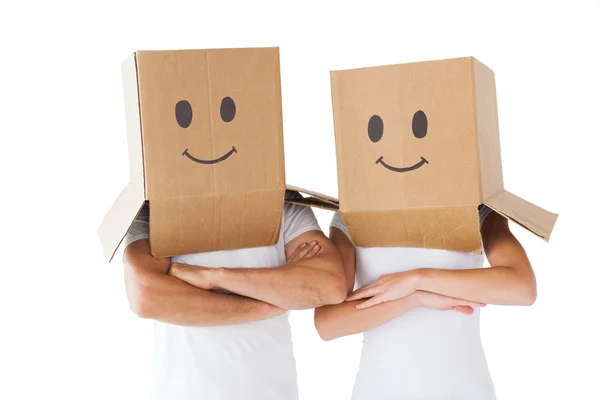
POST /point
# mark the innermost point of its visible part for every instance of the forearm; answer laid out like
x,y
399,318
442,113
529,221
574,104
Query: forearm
x,y
168,299
494,285
296,286
343,319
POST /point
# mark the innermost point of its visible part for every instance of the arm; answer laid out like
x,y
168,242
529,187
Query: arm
x,y
509,280
348,254
333,321
154,294
306,283
343,319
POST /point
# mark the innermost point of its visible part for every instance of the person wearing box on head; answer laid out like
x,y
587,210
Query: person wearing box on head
x,y
214,256
421,195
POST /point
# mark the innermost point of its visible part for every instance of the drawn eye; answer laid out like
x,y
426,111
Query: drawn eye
x,y
375,128
419,124
227,109
183,113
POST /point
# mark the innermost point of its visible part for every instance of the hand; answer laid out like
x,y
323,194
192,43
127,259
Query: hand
x,y
387,288
305,250
444,303
200,277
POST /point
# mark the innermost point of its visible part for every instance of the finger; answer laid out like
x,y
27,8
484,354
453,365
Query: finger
x,y
359,294
364,293
307,250
313,252
370,285
463,309
302,250
470,303
174,268
370,303
366,287
296,250
454,301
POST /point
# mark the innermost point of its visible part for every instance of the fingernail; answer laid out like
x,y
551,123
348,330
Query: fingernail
x,y
303,245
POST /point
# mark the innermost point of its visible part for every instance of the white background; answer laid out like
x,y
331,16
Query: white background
x,y
66,329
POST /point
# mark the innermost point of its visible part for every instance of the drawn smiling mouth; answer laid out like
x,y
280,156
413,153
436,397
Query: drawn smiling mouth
x,y
405,169
216,160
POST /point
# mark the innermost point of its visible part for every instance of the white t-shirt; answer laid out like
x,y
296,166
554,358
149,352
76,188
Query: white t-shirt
x,y
249,361
424,354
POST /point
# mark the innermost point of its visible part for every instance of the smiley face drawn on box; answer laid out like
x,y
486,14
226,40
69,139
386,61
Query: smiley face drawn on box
x,y
184,116
205,138
406,136
418,152
212,143
419,130
211,121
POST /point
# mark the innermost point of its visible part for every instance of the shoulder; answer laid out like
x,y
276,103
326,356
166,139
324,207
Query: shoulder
x,y
297,219
291,210
484,212
338,223
140,227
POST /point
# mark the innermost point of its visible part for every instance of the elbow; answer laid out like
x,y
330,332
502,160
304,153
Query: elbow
x,y
525,291
325,335
520,289
140,305
528,294
323,327
334,291
141,308
140,300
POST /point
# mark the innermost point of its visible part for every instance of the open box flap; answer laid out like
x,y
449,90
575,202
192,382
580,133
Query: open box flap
x,y
313,199
119,218
533,218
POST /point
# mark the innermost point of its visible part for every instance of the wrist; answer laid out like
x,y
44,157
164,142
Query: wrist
x,y
219,275
415,299
419,277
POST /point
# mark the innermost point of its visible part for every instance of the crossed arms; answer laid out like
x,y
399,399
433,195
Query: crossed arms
x,y
509,281
314,277
181,294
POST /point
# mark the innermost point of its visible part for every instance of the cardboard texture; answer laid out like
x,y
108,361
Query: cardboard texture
x,y
206,150
418,151
314,199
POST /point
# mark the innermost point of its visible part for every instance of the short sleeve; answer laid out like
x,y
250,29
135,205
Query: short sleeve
x,y
297,219
337,222
484,211
140,228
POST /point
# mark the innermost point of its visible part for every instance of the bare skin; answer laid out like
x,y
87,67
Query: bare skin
x,y
154,294
304,282
155,290
509,281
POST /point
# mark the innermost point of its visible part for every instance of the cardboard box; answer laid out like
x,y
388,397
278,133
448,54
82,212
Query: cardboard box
x,y
418,151
206,150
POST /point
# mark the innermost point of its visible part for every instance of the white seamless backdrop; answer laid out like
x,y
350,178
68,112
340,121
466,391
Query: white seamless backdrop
x,y
66,330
